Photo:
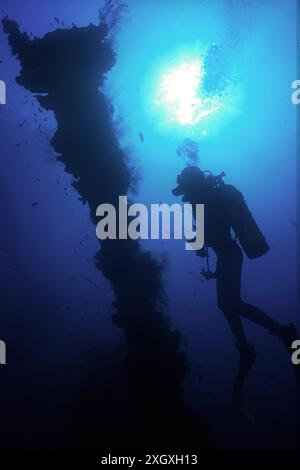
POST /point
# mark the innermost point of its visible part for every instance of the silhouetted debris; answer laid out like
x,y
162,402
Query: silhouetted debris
x,y
35,204
141,136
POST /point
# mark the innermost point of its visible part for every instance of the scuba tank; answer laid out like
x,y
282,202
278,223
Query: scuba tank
x,y
242,221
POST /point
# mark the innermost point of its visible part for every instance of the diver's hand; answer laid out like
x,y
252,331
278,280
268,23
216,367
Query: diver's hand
x,y
208,275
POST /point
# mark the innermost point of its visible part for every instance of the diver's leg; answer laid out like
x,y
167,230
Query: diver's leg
x,y
228,274
257,316
229,266
236,326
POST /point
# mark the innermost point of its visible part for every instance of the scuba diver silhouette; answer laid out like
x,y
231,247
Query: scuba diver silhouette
x,y
225,210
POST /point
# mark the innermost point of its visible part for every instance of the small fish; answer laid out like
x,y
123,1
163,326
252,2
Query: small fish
x,y
141,136
57,20
35,204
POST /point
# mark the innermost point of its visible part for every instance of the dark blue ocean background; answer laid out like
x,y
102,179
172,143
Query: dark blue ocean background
x,y
56,307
